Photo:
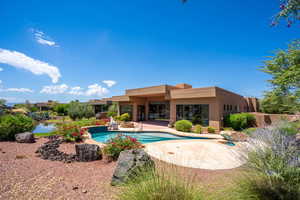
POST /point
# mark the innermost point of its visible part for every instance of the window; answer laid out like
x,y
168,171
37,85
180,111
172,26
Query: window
x,y
196,113
230,107
224,107
159,110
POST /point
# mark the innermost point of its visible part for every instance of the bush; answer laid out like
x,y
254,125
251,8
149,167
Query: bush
x,y
71,132
183,125
61,109
160,184
40,116
112,110
211,129
10,125
79,110
240,121
197,129
116,145
125,117
273,164
227,129
287,128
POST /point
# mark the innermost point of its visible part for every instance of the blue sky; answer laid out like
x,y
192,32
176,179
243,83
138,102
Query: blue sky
x,y
64,50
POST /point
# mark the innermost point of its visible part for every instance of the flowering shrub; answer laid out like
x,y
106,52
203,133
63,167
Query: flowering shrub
x,y
121,142
72,133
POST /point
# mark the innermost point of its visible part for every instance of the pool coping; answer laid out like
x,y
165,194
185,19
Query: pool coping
x,y
195,136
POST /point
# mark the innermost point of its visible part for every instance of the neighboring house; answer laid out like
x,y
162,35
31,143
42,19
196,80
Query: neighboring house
x,y
45,106
99,105
207,105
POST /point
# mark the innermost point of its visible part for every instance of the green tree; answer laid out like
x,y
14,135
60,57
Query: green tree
x,y
61,109
113,110
79,110
289,10
284,69
2,102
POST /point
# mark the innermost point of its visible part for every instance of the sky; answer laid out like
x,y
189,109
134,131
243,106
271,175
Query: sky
x,y
65,50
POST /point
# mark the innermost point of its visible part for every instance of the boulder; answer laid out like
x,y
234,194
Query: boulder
x,y
26,137
88,152
129,164
236,136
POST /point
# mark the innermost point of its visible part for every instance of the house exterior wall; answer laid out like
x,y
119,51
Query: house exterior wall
x,y
214,115
184,94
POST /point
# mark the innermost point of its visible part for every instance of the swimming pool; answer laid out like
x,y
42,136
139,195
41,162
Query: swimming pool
x,y
143,136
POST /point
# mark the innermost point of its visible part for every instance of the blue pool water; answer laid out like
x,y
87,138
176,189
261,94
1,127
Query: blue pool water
x,y
143,137
44,128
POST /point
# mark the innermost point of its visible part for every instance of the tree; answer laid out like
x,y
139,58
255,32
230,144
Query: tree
x,y
113,110
2,102
61,109
79,110
289,10
284,69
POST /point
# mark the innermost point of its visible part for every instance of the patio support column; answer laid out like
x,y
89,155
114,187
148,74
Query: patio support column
x,y
146,110
135,112
172,111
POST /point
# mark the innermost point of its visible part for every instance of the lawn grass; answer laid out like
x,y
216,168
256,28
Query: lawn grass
x,y
44,134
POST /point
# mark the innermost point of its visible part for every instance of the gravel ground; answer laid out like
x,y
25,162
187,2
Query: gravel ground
x,y
23,175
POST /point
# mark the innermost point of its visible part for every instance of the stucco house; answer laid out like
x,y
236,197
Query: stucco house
x,y
171,103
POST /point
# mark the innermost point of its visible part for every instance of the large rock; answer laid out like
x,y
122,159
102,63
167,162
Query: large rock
x,y
88,152
26,137
130,163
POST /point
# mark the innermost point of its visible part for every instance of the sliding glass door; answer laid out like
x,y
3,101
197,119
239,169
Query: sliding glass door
x,y
159,110
196,113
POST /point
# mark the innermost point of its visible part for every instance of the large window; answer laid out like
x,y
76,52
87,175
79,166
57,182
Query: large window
x,y
159,110
126,109
196,113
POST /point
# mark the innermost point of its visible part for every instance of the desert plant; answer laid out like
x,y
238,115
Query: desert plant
x,y
124,117
162,183
197,129
40,116
183,125
211,129
112,110
273,164
117,144
240,121
10,125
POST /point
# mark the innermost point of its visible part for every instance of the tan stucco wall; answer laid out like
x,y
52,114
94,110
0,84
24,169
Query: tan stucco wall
x,y
214,116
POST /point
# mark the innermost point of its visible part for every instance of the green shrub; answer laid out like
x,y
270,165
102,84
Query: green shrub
x,y
116,145
211,129
112,110
160,184
71,132
273,167
79,110
61,109
40,116
240,121
197,129
287,128
183,125
124,117
10,125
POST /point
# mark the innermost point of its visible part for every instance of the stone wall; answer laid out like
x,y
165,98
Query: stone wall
x,y
263,119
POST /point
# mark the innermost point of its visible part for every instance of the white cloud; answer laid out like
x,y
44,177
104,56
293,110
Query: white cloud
x,y
43,39
76,91
92,90
22,90
109,83
55,89
1,69
0,82
96,90
20,60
